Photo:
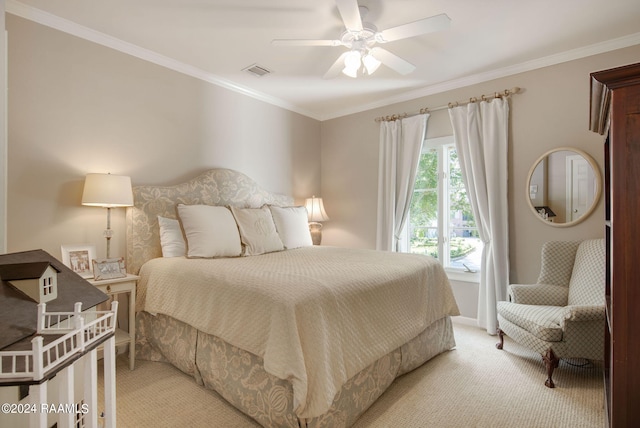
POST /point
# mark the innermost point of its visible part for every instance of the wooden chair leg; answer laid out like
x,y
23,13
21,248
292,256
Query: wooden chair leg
x,y
501,335
551,362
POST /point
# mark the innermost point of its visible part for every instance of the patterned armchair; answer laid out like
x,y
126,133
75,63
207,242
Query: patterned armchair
x,y
563,314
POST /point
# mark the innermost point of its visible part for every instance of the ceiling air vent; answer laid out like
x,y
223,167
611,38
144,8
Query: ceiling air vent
x,y
257,70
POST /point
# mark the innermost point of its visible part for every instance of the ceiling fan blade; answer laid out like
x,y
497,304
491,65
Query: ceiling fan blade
x,y
336,68
305,42
416,28
350,14
393,61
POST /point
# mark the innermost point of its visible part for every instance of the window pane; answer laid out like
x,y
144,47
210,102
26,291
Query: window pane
x,y
424,240
459,206
423,214
432,195
465,248
423,227
455,173
460,213
427,176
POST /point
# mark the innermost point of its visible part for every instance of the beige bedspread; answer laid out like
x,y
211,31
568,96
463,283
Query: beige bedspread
x,y
315,315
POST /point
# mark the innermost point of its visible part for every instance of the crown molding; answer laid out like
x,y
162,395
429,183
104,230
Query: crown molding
x,y
49,20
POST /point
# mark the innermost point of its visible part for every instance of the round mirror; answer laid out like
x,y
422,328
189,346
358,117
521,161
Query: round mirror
x,y
564,186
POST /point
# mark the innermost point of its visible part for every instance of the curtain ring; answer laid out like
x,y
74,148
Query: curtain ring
x,y
484,97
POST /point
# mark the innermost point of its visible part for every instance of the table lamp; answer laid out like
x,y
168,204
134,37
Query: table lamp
x,y
108,191
316,214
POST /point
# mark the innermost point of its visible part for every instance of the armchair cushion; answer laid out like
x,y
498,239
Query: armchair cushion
x,y
588,277
538,294
557,260
544,322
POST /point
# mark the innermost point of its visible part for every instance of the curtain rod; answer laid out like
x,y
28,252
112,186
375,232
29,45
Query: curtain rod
x,y
503,94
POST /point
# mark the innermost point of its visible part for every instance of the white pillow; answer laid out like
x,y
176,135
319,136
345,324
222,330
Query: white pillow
x,y
257,230
171,239
210,231
292,226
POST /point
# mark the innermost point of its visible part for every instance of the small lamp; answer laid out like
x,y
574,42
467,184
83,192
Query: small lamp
x,y
109,191
316,213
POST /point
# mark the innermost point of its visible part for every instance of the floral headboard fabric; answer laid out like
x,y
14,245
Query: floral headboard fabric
x,y
215,187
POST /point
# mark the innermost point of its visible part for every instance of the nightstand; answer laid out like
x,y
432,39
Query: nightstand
x,y
118,286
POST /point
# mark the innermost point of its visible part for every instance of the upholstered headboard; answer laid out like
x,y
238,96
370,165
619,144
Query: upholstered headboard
x,y
215,187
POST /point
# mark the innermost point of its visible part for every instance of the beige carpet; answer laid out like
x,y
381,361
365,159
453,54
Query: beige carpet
x,y
474,385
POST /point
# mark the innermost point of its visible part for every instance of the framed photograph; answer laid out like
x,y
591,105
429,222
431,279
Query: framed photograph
x,y
78,258
109,268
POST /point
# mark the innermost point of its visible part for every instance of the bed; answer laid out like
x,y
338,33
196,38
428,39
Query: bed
x,y
291,334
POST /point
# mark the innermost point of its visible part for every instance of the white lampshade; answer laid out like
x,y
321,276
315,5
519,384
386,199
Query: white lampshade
x,y
315,209
351,72
107,190
371,63
352,60
352,63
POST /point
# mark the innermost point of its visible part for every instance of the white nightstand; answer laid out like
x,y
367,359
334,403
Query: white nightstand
x,y
117,286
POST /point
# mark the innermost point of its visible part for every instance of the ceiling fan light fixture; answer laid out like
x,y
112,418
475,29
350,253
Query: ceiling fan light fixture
x,y
360,39
352,60
370,63
352,63
351,72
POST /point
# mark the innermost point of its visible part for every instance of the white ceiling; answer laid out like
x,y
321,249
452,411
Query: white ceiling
x,y
215,39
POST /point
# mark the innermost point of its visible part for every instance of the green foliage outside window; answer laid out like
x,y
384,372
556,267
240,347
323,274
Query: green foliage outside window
x,y
460,247
424,208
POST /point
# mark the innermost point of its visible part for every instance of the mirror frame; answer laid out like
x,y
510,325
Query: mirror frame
x,y
597,176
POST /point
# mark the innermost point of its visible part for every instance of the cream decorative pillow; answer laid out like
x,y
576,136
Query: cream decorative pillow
x,y
171,239
257,230
210,231
292,226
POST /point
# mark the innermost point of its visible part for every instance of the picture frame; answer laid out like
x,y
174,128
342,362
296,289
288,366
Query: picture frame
x,y
109,268
78,258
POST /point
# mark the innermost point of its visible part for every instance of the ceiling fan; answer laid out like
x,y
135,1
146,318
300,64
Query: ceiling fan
x,y
361,39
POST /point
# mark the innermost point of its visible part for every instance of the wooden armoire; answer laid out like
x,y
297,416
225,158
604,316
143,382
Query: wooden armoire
x,y
615,112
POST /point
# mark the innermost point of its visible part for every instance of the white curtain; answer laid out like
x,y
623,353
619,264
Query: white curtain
x,y
400,147
481,136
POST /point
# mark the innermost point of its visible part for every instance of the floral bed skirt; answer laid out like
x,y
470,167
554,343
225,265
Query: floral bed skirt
x,y
240,378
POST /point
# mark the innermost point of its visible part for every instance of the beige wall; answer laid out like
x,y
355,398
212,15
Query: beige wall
x,y
76,107
552,111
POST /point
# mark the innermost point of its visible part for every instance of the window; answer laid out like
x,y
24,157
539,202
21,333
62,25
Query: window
x,y
441,222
